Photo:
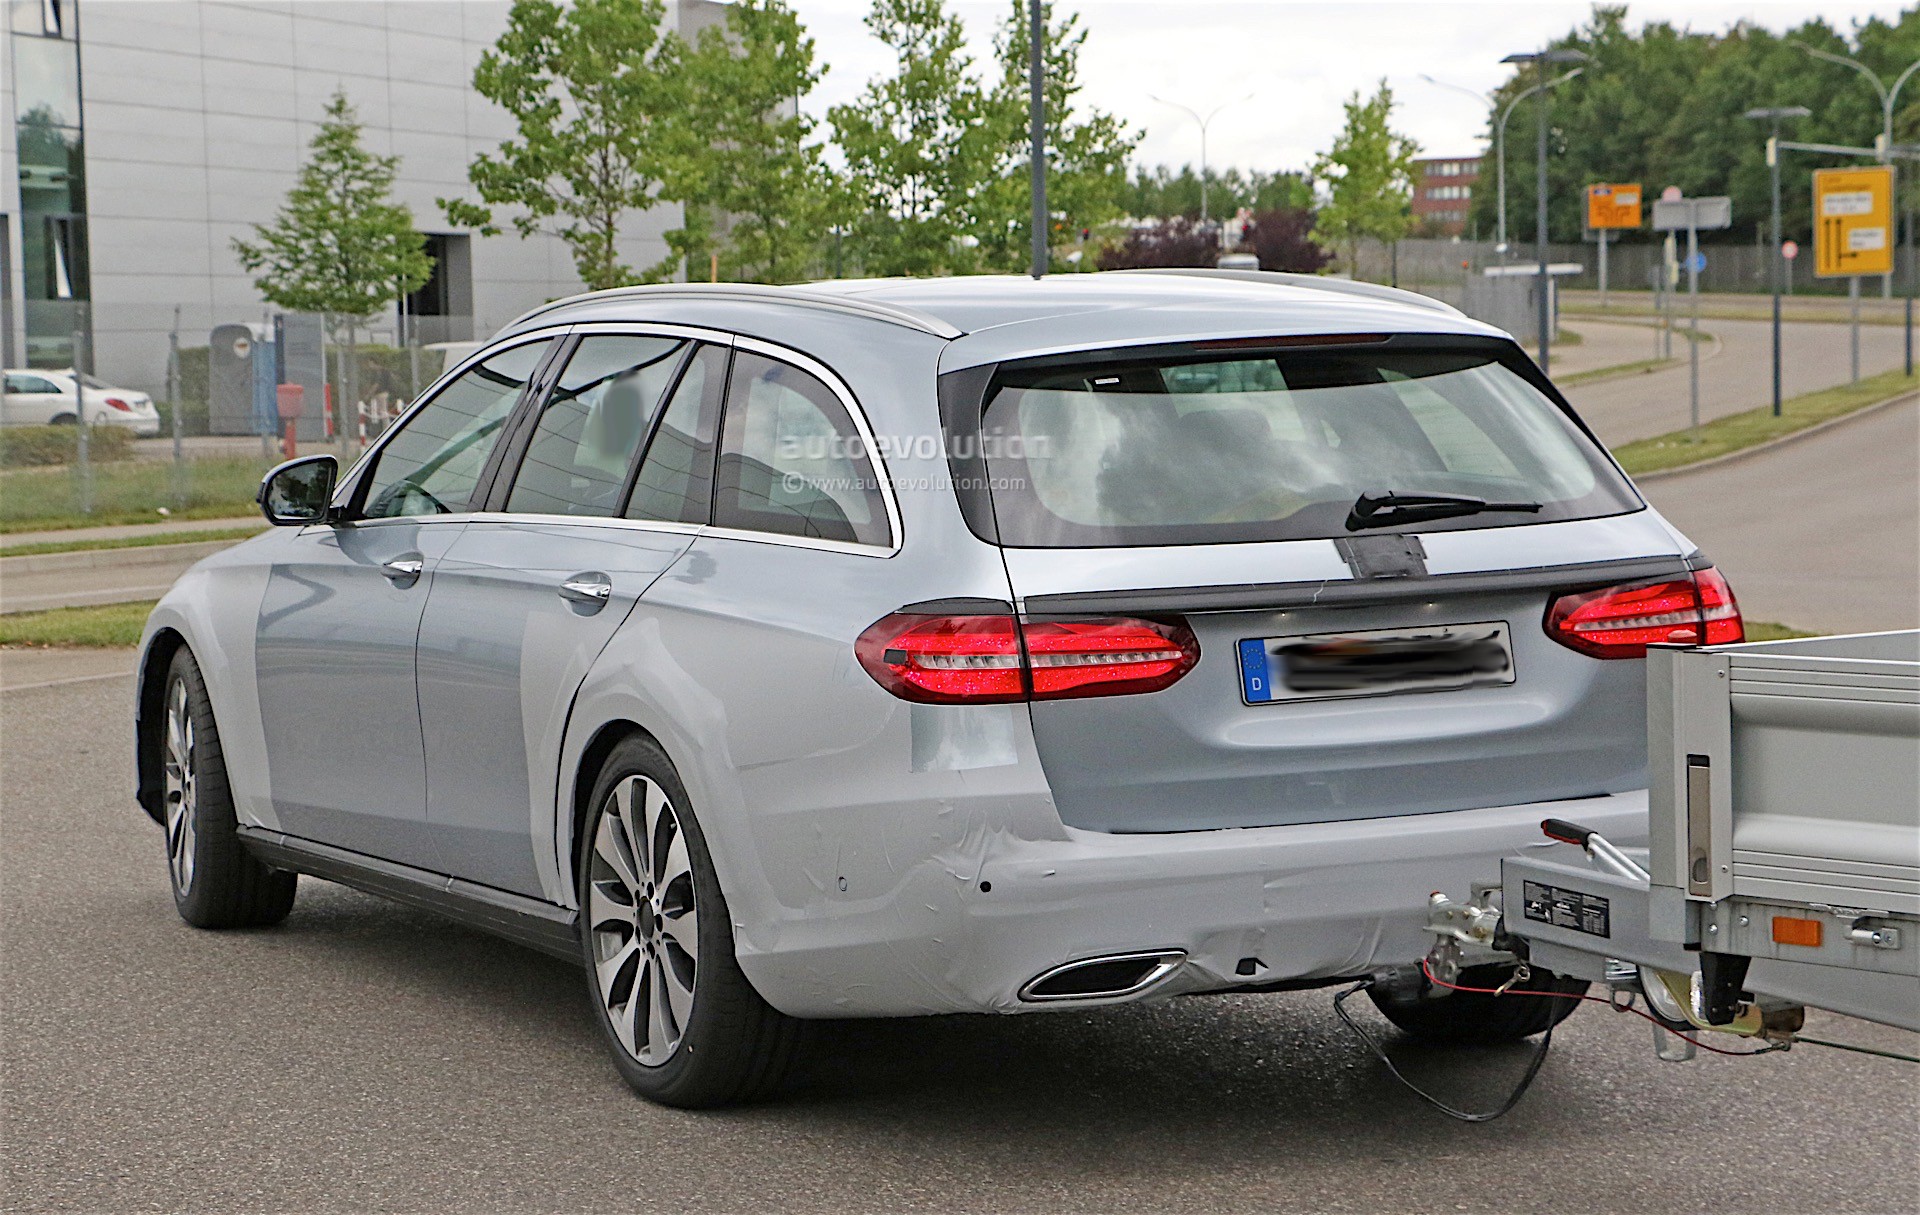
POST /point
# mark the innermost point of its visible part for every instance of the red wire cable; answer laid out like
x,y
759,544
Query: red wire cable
x,y
1567,995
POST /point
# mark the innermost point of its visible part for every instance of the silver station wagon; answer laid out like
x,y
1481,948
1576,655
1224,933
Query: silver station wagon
x,y
888,648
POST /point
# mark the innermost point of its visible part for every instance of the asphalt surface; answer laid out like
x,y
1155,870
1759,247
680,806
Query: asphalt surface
x,y
1822,533
1736,374
366,1057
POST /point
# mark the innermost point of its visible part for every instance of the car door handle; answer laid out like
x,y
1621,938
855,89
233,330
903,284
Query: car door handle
x,y
594,589
403,569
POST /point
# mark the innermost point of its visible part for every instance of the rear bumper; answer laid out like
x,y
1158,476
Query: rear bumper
x,y
1322,900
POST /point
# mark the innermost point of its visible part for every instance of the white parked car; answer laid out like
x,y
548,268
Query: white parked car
x,y
38,398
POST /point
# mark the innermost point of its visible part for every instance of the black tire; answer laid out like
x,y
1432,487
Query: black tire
x,y
216,882
732,1046
1466,1018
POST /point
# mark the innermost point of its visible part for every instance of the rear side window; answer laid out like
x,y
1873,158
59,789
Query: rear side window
x,y
1192,449
593,424
791,461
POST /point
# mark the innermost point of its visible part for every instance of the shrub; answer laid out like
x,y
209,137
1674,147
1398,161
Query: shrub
x,y
1177,242
1283,240
39,446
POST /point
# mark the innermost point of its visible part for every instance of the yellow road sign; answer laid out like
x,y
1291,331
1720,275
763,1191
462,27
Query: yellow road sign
x,y
1613,206
1853,221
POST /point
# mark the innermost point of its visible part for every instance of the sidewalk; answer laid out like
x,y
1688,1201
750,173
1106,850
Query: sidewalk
x,y
184,528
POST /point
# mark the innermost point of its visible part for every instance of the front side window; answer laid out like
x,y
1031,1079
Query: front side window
x,y
433,464
31,383
593,424
791,462
1200,449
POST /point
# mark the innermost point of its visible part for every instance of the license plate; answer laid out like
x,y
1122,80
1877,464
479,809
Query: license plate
x,y
1322,666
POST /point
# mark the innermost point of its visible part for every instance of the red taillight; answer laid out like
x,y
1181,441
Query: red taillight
x,y
119,404
1622,621
993,659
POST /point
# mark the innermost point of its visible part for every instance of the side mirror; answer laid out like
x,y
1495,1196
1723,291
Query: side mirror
x,y
298,492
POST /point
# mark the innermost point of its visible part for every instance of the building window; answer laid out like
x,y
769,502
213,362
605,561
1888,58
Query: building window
x,y
55,277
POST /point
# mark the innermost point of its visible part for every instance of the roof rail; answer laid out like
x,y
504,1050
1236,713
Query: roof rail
x,y
909,318
1314,282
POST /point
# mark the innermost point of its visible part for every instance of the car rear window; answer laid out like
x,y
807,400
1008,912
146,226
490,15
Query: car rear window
x,y
1276,445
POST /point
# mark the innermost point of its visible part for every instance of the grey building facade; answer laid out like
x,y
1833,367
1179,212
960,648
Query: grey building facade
x,y
138,138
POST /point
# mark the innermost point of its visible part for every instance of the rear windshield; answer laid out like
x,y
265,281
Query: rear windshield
x,y
1192,449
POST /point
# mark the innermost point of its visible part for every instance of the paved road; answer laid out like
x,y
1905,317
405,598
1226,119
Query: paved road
x,y
365,1057
1822,533
1735,376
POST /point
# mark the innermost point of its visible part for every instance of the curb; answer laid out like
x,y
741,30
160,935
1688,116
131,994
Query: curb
x,y
101,558
1606,375
1757,449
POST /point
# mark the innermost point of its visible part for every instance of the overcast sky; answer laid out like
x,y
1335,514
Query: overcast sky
x,y
1298,58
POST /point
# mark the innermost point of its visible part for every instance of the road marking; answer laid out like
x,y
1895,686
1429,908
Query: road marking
x,y
60,683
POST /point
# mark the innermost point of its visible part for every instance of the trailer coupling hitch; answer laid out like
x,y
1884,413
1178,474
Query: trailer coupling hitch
x,y
1474,933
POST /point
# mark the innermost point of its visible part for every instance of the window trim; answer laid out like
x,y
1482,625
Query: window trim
x,y
491,507
350,498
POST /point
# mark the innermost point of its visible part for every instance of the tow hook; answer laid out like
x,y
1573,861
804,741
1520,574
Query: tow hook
x,y
1468,934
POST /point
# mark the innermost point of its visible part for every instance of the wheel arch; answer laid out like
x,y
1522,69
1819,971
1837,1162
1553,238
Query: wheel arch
x,y
150,691
586,774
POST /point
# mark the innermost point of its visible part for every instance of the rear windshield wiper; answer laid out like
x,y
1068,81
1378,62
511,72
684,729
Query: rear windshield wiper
x,y
1389,508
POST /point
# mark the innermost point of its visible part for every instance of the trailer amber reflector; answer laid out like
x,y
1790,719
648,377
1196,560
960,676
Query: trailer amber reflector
x,y
1788,930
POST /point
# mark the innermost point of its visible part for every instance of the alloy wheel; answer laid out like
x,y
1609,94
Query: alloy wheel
x,y
182,788
642,920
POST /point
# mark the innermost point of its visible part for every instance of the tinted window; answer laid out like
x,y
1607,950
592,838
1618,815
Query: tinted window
x,y
676,476
1190,450
431,466
592,425
791,462
31,383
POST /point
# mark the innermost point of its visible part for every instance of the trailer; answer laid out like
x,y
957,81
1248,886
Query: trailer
x,y
1782,870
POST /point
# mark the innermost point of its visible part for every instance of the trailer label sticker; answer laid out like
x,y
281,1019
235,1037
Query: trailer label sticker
x,y
1567,908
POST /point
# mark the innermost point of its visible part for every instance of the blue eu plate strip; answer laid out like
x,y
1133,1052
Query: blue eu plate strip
x,y
1256,678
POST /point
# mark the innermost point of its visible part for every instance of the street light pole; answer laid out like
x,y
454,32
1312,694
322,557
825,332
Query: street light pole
x,y
1544,311
1773,115
1203,121
1037,134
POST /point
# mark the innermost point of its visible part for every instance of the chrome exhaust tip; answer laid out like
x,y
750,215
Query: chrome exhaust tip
x,y
1108,977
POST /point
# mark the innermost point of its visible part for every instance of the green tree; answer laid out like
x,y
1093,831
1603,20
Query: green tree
x,y
751,184
1663,106
340,245
1160,192
1086,151
919,146
586,90
1368,175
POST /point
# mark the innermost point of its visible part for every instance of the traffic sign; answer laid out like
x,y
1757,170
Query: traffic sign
x,y
1789,249
1613,206
1700,214
1853,221
1697,263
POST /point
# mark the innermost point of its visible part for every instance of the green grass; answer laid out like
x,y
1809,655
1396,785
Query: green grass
x,y
78,546
1643,367
104,627
1712,311
1762,630
1741,430
132,491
